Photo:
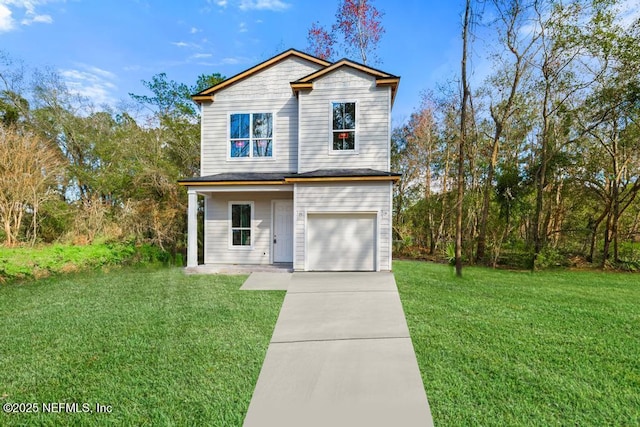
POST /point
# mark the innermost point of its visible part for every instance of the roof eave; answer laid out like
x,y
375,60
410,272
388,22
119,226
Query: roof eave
x,y
290,179
393,83
341,63
301,86
210,183
202,98
342,178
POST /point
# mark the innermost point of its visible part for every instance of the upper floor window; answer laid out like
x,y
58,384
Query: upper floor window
x,y
344,125
251,135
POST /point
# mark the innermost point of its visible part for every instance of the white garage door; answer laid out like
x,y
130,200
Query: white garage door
x,y
341,242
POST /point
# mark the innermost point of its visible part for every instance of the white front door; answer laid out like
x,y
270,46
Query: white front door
x,y
283,231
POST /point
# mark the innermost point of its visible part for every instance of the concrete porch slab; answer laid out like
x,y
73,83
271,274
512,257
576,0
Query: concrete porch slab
x,y
238,268
267,281
340,383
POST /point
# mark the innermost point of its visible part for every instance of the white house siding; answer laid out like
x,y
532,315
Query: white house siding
x,y
372,197
372,122
216,228
266,91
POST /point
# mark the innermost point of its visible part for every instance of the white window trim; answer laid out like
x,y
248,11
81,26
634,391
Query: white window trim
x,y
251,157
356,148
230,222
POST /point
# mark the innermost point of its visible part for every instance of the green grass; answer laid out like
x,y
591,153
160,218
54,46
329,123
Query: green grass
x,y
159,347
27,263
162,348
516,348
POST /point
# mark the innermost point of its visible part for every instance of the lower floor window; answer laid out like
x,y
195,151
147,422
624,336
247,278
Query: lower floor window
x,y
241,224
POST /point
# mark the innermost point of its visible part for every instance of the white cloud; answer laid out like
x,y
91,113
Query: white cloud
x,y
92,82
201,55
10,7
43,19
222,3
230,61
274,5
6,21
194,30
243,27
234,60
100,72
187,45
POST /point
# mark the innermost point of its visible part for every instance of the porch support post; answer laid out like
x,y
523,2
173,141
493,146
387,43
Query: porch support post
x,y
192,229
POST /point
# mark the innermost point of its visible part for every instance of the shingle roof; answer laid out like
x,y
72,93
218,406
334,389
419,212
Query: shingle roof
x,y
237,177
340,173
282,178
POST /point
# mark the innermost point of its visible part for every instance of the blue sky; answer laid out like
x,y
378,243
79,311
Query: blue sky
x,y
105,48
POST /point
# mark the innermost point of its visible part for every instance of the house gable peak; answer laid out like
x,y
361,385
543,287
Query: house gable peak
x,y
208,94
382,78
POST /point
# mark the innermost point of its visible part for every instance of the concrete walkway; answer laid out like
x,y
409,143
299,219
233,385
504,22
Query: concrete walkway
x,y
340,355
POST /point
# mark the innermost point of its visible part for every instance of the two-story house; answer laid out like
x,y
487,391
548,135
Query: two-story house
x,y
295,166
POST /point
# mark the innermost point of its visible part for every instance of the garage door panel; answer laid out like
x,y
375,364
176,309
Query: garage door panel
x,y
341,242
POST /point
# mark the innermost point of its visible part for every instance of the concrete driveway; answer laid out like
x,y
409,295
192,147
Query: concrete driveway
x,y
340,355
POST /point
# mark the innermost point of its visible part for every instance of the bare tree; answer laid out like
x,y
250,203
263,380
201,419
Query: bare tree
x,y
512,17
464,104
321,42
28,166
359,23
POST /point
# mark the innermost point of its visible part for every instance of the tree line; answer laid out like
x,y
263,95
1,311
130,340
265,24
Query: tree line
x,y
547,146
536,165
75,172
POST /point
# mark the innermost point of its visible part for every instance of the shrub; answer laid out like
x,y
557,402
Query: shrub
x,y
550,258
36,262
450,253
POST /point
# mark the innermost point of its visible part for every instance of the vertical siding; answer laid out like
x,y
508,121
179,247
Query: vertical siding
x,y
267,91
372,121
216,228
341,197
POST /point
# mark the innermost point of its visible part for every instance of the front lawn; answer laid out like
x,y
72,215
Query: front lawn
x,y
162,348
515,348
158,347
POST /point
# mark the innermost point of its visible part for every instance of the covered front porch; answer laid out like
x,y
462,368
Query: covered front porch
x,y
244,225
323,220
